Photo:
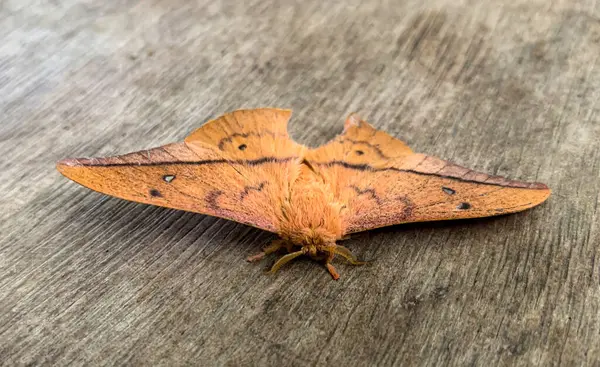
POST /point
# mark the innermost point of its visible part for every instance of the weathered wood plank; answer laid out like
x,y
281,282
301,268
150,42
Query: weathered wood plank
x,y
509,89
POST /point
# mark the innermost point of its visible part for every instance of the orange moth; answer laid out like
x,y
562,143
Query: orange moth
x,y
244,167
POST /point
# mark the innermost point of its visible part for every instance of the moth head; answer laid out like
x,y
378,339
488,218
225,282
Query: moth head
x,y
314,241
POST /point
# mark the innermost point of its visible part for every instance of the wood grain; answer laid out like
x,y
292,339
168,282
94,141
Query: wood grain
x,y
510,89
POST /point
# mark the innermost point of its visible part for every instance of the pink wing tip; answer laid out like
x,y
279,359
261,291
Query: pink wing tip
x,y
69,162
78,162
353,120
538,186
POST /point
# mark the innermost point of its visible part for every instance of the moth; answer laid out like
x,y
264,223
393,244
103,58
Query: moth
x,y
244,167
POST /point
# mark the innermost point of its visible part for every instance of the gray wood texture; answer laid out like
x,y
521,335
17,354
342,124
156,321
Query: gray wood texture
x,y
509,88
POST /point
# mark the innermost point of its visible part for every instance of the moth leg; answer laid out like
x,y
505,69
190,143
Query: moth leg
x,y
272,247
330,268
346,254
334,274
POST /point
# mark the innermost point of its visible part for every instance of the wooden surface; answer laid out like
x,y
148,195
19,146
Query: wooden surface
x,y
91,280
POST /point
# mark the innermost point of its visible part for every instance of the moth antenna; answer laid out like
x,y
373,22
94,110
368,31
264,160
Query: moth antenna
x,y
345,253
285,259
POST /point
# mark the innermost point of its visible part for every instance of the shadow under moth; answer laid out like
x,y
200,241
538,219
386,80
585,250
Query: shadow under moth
x,y
244,167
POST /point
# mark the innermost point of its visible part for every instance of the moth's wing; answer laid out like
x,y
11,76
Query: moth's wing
x,y
380,182
237,167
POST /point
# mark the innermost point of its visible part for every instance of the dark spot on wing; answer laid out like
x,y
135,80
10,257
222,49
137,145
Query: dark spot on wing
x,y
463,206
369,192
408,207
155,193
211,200
374,147
230,138
448,191
248,189
242,147
168,178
